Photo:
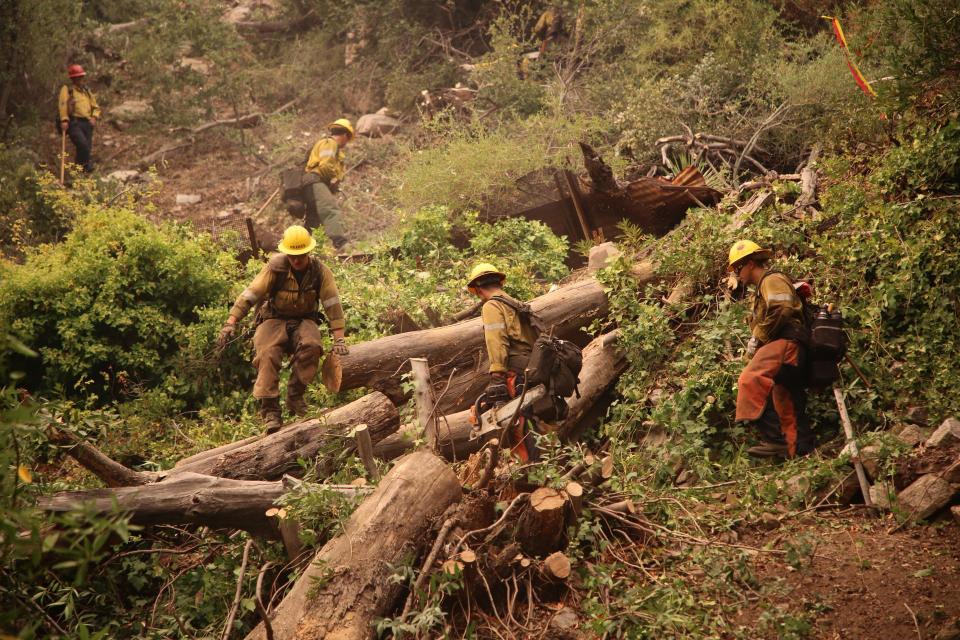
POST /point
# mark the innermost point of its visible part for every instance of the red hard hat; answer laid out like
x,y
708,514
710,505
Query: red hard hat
x,y
75,71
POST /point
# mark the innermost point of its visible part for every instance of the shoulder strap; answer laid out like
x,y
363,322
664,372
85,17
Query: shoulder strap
x,y
524,310
278,264
318,280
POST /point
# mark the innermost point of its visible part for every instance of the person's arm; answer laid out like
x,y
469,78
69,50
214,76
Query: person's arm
x,y
252,295
330,301
323,159
781,305
94,107
63,104
495,336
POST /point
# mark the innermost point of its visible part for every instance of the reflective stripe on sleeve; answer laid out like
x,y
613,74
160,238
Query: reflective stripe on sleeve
x,y
249,296
780,297
494,326
329,302
326,153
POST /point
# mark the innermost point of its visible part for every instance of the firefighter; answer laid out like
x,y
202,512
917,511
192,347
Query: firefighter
x,y
770,391
79,113
549,27
326,161
509,340
294,293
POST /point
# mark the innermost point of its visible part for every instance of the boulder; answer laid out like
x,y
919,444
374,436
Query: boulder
x,y
601,256
565,620
123,175
946,434
199,65
376,125
881,493
237,14
188,198
927,495
952,473
769,521
797,486
130,110
918,415
870,458
911,435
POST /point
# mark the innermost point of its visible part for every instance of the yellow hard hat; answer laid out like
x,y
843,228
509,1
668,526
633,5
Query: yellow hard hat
x,y
343,123
296,241
484,269
745,249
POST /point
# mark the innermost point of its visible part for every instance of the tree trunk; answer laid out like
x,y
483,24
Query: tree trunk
x,y
188,498
348,586
542,527
271,456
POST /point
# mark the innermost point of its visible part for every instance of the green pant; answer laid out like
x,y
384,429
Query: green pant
x,y
326,211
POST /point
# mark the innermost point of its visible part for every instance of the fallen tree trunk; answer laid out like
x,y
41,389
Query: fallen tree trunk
x,y
271,456
348,585
189,498
111,472
567,309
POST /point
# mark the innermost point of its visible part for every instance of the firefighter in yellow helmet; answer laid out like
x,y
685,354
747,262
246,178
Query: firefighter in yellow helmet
x,y
293,294
770,391
326,163
509,340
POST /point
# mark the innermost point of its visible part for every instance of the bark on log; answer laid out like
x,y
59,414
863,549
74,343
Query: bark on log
x,y
189,498
271,456
569,308
424,399
347,586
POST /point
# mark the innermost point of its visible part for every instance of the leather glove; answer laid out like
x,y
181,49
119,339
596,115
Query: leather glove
x,y
752,347
496,391
226,333
340,347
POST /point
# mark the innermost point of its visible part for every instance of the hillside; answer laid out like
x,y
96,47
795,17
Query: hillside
x,y
142,498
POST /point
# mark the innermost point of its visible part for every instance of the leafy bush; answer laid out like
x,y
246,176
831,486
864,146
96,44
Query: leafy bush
x,y
423,271
109,309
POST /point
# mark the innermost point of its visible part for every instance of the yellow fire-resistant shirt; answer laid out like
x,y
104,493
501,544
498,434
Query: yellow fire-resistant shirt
x,y
509,339
84,103
777,309
294,299
326,160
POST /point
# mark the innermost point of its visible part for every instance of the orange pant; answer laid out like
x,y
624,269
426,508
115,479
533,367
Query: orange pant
x,y
773,377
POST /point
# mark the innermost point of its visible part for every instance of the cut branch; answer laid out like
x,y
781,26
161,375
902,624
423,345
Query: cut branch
x,y
110,471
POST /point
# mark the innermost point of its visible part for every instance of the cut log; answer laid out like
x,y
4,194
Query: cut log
x,y
348,586
189,498
271,456
556,566
365,451
541,527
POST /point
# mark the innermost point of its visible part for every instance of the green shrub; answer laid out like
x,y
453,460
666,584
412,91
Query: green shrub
x,y
110,308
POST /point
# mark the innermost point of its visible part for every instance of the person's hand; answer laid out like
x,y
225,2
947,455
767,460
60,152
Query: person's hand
x,y
752,347
496,390
93,120
226,333
340,347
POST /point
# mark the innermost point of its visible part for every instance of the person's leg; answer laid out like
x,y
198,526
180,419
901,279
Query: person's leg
x,y
269,342
88,130
328,213
79,132
307,350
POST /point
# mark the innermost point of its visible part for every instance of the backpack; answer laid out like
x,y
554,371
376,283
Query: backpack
x,y
826,341
280,270
554,363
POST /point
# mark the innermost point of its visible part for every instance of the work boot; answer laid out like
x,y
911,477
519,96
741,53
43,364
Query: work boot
x,y
270,413
769,450
295,402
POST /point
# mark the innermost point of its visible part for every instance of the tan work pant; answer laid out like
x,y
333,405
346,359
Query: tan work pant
x,y
299,338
